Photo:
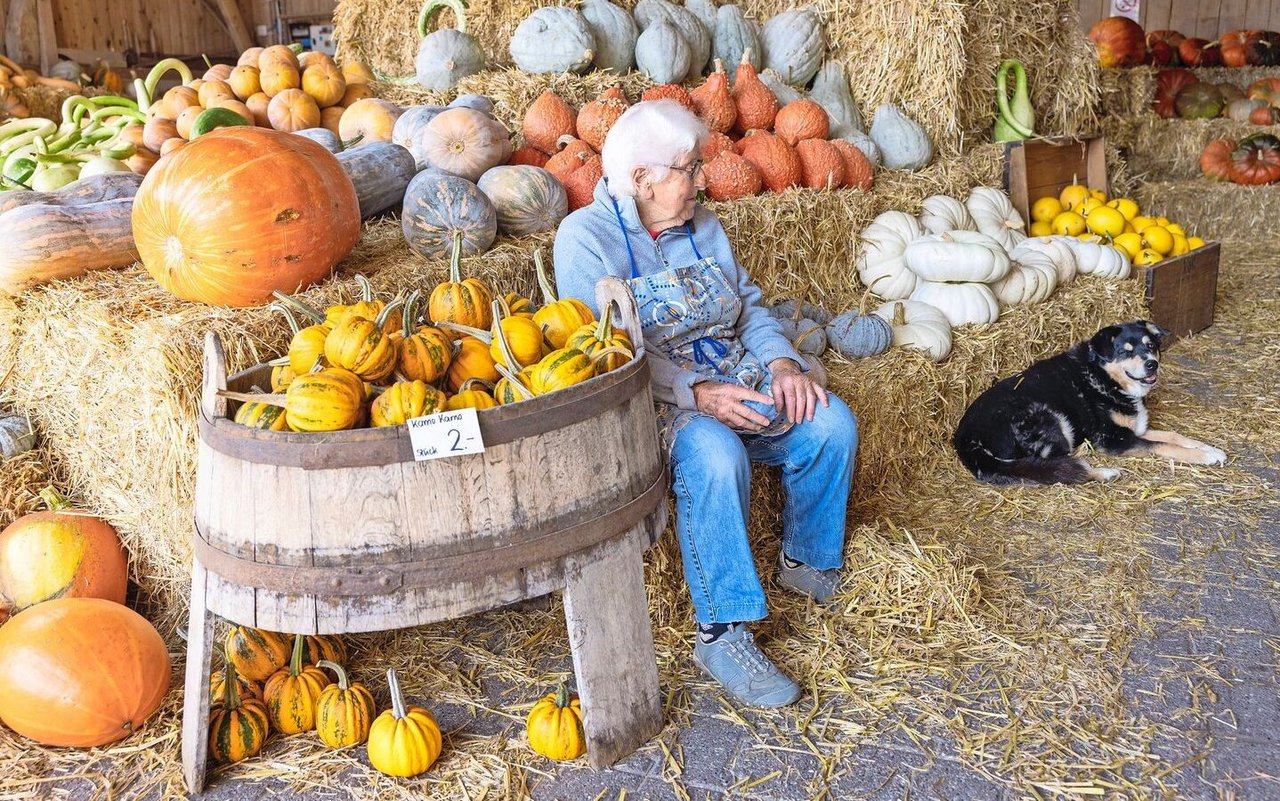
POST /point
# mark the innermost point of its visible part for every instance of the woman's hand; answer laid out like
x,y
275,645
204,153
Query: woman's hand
x,y
724,402
794,393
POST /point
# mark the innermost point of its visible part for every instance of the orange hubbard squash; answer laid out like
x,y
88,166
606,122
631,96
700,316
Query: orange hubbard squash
x,y
799,120
713,102
714,145
580,185
548,118
757,106
573,153
669,91
80,672
777,162
231,237
529,155
730,177
858,171
597,117
821,165
458,300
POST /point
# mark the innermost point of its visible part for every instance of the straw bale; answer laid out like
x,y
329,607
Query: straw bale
x,y
21,478
1163,149
46,101
937,59
1211,209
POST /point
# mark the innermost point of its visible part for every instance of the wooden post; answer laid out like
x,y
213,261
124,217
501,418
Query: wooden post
x,y
13,44
195,704
612,642
48,35
236,26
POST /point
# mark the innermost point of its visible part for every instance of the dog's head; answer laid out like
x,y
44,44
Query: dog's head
x,y
1130,355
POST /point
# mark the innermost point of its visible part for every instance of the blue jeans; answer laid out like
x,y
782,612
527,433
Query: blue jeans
x,y
711,475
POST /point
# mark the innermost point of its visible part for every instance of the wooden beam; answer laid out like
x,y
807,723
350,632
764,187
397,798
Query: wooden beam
x,y
13,43
48,35
240,35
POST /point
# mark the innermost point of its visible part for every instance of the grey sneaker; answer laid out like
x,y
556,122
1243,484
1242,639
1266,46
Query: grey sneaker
x,y
746,673
820,585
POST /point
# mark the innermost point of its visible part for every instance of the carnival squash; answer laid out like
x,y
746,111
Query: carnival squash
x,y
60,553
256,653
461,301
330,400
557,318
218,689
262,416
471,361
561,368
80,672
404,740
291,693
362,346
554,726
238,726
440,209
344,711
425,353
404,400
595,338
231,237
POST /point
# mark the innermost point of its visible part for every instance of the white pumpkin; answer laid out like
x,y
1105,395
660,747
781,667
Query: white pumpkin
x,y
880,264
957,256
1031,279
960,303
939,214
1095,258
995,216
1058,251
918,325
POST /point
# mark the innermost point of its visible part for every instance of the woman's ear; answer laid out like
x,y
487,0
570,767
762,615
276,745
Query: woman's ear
x,y
641,178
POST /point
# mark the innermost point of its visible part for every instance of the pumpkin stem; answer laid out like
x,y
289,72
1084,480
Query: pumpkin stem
x,y
288,315
455,259
54,500
298,306
500,336
397,701
366,289
432,7
604,353
295,661
231,686
466,385
410,313
564,141
899,314
343,684
548,295
514,380
478,333
562,696
386,312
604,330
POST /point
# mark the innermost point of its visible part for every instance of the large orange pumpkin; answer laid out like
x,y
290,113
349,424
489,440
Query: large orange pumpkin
x,y
80,672
58,554
241,212
1120,42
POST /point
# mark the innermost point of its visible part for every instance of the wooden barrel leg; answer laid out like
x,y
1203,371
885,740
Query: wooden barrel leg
x,y
195,704
612,642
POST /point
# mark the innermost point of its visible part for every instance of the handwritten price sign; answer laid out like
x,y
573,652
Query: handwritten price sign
x,y
439,436
1126,8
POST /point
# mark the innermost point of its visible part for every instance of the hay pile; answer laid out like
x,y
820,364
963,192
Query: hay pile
x,y
937,59
1163,150
1130,92
1212,209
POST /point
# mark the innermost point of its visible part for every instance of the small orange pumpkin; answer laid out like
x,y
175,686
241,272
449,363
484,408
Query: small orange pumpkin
x,y
799,120
821,165
548,118
324,83
714,103
597,117
779,166
293,110
756,104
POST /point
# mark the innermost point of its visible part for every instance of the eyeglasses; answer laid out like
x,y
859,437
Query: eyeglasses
x,y
692,170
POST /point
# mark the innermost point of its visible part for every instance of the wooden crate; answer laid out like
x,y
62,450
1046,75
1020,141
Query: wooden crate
x,y
1180,290
1040,167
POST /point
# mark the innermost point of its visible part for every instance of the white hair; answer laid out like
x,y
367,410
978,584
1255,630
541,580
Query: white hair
x,y
652,134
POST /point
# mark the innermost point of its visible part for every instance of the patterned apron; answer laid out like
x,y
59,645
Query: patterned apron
x,y
689,315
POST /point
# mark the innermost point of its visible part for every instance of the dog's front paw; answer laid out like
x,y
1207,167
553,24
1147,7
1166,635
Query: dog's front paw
x,y
1105,473
1214,457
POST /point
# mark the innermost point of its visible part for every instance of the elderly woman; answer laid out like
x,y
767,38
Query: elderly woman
x,y
730,389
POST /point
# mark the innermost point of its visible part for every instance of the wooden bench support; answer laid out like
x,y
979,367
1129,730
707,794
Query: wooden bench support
x,y
195,707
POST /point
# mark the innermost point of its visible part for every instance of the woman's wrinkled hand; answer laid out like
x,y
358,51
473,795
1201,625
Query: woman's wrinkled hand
x,y
724,402
794,393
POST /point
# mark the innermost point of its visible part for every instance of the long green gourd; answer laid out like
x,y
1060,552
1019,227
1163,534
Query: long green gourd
x,y
1016,119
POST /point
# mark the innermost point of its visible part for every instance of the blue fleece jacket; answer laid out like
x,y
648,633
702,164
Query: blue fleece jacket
x,y
589,245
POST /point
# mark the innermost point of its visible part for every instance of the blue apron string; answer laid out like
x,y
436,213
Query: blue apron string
x,y
716,345
689,232
635,273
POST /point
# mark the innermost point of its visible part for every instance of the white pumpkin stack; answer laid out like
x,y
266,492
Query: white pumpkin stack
x,y
954,269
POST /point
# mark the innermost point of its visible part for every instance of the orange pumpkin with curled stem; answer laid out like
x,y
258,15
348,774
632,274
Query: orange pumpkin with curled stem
x,y
362,346
425,354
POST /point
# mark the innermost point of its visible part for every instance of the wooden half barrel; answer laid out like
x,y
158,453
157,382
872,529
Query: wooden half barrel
x,y
346,532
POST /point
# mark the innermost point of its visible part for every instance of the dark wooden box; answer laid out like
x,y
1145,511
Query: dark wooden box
x,y
1180,289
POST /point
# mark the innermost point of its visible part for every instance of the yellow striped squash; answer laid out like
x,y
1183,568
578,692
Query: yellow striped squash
x,y
558,318
330,400
307,347
592,339
425,355
344,711
237,726
403,400
255,653
465,302
291,693
561,368
262,416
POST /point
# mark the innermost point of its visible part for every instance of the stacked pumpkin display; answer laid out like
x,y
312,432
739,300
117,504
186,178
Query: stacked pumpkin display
x,y
77,667
961,263
1252,161
1121,42
1180,94
373,362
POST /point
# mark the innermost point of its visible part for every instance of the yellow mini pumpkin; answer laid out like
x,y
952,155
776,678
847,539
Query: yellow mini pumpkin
x,y
561,368
344,711
555,726
322,647
558,318
263,416
237,726
471,360
465,302
256,653
245,687
291,693
404,400
468,397
403,741
306,346
425,354
360,345
330,400
594,340
513,387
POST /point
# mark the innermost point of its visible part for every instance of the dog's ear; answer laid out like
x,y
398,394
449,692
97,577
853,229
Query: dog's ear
x,y
1159,332
1103,343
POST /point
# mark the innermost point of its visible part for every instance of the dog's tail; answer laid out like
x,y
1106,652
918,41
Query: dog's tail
x,y
1026,469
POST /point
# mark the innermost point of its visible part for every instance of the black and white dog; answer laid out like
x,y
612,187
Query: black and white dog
x,y
1027,426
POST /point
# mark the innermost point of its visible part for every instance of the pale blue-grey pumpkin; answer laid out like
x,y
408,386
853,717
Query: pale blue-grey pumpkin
x,y
781,90
903,143
615,33
380,172
475,102
786,308
408,128
436,205
805,335
855,335
663,53
323,137
553,39
448,55
734,35
831,91
696,35
528,199
794,43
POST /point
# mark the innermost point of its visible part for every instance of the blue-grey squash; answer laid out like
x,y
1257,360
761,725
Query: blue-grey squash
x,y
408,130
780,88
855,335
806,336
615,33
323,137
705,11
447,55
864,143
663,53
480,103
903,143
381,172
528,199
436,205
794,44
786,309
831,91
734,35
696,35
553,39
